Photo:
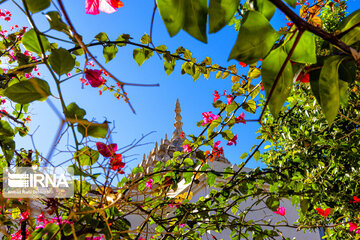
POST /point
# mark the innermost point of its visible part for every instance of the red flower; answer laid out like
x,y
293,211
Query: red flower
x,y
106,150
242,64
107,6
216,96
356,200
325,212
116,163
94,77
24,216
182,135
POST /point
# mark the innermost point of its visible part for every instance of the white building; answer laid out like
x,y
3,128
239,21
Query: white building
x,y
164,152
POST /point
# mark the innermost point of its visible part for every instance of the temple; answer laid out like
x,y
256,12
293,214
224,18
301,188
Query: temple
x,y
165,150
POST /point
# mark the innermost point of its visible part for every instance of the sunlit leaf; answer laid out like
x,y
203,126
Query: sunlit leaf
x,y
220,13
251,46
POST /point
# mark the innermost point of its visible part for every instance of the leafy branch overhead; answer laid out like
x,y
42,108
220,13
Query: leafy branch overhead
x,y
250,46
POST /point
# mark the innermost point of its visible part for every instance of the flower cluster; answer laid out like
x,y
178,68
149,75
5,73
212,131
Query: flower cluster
x,y
116,162
208,117
5,14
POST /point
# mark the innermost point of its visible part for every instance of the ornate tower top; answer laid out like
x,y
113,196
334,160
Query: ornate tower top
x,y
178,124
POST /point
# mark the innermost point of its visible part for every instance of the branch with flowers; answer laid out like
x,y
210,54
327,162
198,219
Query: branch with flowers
x,y
309,159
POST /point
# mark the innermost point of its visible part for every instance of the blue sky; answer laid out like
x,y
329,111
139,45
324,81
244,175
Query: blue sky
x,y
154,106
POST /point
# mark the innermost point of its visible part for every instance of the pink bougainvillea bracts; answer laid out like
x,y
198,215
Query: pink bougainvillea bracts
x,y
24,216
232,141
149,183
229,99
208,117
280,211
106,6
187,148
354,226
240,119
94,77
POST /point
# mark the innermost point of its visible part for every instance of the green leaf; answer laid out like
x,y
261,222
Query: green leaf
x,y
142,54
292,3
7,144
249,106
257,156
188,162
56,23
244,155
251,46
28,91
169,66
31,43
349,21
50,229
172,13
187,176
145,39
110,52
182,14
272,203
102,37
73,111
304,205
37,5
195,18
210,179
86,156
270,69
61,61
329,87
347,71
220,13
265,7
5,129
123,38
93,129
305,50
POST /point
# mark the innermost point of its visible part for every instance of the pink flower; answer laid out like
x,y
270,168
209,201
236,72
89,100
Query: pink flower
x,y
149,183
280,211
182,225
24,216
324,213
94,77
240,119
216,96
187,148
232,141
208,117
353,226
41,218
230,98
106,6
106,150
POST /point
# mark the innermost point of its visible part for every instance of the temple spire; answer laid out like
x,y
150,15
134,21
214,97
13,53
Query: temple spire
x,y
178,124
